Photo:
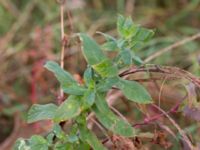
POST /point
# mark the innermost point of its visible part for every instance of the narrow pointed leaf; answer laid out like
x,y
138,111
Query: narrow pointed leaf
x,y
68,84
69,109
91,50
107,83
41,112
63,76
37,142
137,60
88,98
88,77
110,44
91,139
143,34
110,120
134,91
74,89
105,68
124,59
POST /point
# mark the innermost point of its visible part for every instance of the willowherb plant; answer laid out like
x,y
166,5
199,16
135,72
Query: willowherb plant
x,y
99,77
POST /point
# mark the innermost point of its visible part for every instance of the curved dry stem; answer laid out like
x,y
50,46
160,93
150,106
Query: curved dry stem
x,y
171,47
182,133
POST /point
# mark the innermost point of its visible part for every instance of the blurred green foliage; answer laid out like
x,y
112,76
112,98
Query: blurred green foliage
x,y
30,35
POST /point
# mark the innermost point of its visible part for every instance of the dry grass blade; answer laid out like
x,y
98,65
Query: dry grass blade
x,y
171,47
17,25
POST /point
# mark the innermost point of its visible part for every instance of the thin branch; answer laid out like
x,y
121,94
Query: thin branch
x,y
10,7
161,89
63,44
170,71
171,47
100,127
118,113
158,116
11,138
182,133
62,35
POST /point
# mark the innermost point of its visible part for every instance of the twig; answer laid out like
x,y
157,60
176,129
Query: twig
x,y
161,89
158,116
100,127
62,35
63,43
97,24
10,7
170,71
182,133
118,113
171,47
166,128
9,140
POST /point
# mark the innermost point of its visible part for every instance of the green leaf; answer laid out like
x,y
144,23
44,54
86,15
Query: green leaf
x,y
38,143
124,58
137,41
41,112
87,136
121,44
133,36
69,109
110,120
125,27
21,144
82,146
63,146
134,91
107,36
88,77
57,130
143,34
106,69
106,84
68,84
137,60
63,76
91,50
110,44
72,136
135,45
128,30
50,138
74,89
88,98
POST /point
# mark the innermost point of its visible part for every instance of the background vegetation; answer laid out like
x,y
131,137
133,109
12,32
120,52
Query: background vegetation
x,y
30,35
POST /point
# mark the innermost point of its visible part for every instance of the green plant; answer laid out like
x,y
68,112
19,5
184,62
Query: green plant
x,y
101,75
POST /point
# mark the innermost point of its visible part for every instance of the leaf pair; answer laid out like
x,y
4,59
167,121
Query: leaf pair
x,y
69,109
68,83
96,58
132,33
110,120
